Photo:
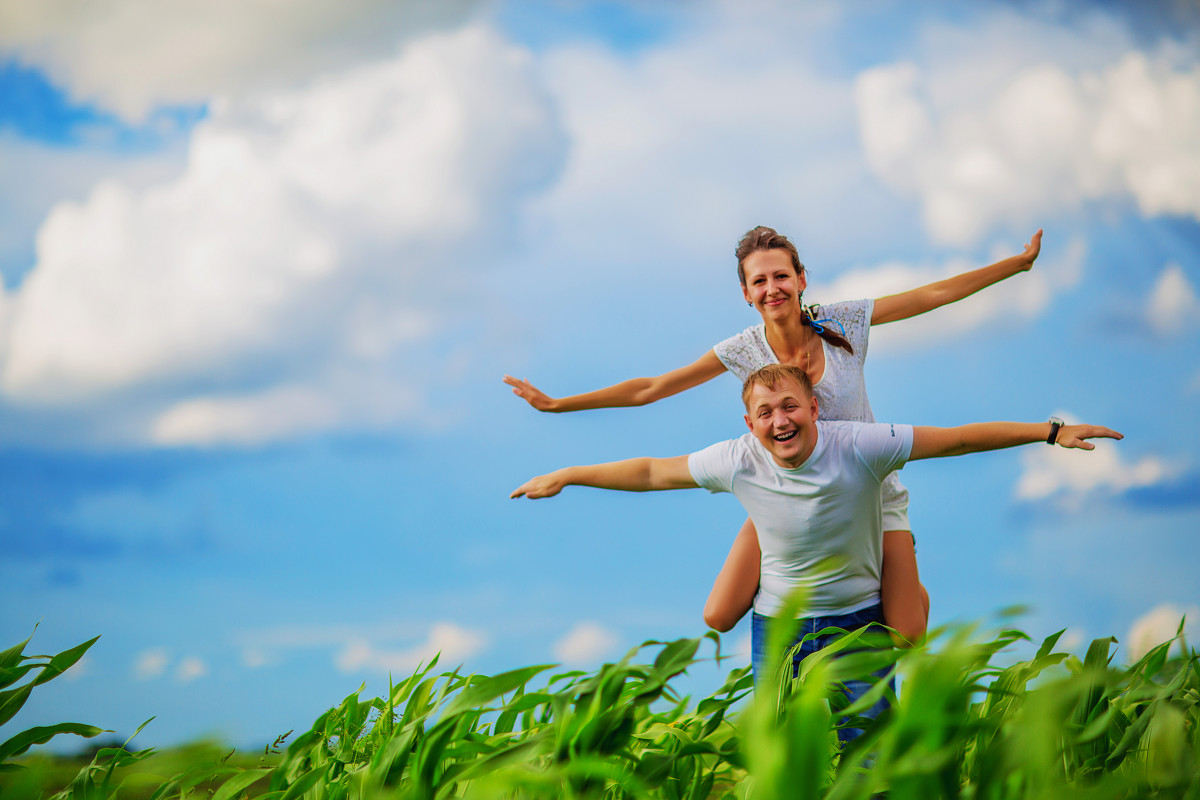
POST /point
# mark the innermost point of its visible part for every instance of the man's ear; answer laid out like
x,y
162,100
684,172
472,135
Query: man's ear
x,y
815,408
748,423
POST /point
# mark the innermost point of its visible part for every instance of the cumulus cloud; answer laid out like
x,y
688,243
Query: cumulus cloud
x,y
455,644
1159,625
139,54
1071,475
1023,296
34,177
585,643
150,663
684,145
190,669
255,658
299,240
1173,306
1045,139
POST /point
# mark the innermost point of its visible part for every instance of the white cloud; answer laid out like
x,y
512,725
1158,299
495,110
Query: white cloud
x,y
455,643
304,236
1158,625
1173,305
1023,296
1072,474
1041,139
150,663
190,669
683,146
255,658
263,417
138,54
36,176
585,643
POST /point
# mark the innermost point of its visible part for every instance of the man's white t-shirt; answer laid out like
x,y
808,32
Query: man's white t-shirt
x,y
819,525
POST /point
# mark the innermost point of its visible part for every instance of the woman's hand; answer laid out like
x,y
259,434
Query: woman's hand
x,y
541,486
1032,249
531,394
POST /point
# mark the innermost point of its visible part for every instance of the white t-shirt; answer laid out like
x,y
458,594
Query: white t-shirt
x,y
842,391
819,525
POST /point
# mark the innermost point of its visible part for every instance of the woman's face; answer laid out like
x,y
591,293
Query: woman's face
x,y
772,285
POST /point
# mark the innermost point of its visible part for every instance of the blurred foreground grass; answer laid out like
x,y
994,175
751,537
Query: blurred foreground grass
x,y
966,726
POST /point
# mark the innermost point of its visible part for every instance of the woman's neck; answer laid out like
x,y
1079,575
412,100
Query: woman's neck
x,y
789,337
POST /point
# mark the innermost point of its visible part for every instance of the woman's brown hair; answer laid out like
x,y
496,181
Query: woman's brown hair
x,y
764,238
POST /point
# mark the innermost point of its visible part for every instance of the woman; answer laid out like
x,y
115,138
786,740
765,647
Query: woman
x,y
830,344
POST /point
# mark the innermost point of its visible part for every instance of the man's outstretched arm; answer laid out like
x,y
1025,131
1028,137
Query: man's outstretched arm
x,y
975,438
632,475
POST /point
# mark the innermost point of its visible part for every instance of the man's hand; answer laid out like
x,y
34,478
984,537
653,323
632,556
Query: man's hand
x,y
541,486
530,393
1074,436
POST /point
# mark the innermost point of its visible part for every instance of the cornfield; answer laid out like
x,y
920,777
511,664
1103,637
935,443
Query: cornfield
x,y
965,726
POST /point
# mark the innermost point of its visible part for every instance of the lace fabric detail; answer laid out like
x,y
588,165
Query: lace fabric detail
x,y
842,391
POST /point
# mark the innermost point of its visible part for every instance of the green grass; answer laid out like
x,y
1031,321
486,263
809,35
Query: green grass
x,y
971,723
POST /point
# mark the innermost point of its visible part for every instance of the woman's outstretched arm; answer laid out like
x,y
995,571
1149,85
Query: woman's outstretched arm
x,y
634,392
934,295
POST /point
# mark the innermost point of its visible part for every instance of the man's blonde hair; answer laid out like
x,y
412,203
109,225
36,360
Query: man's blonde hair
x,y
770,377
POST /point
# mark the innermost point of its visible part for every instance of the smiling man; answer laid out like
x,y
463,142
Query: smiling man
x,y
812,489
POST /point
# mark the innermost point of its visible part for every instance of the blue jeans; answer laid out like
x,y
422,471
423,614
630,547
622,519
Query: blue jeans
x,y
848,622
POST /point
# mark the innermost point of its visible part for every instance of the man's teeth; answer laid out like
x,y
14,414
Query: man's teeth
x,y
783,437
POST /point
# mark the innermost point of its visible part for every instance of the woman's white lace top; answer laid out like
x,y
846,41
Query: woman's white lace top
x,y
842,391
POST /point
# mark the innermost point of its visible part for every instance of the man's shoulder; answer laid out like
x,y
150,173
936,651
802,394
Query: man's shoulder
x,y
853,433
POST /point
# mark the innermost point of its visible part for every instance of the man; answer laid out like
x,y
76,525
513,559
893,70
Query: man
x,y
812,489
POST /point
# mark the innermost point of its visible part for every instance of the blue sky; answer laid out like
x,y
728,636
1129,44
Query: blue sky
x,y
262,276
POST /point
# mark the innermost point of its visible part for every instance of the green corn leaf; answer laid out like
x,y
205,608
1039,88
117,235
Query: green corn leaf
x,y
303,783
484,690
239,783
18,744
14,655
12,700
64,661
10,675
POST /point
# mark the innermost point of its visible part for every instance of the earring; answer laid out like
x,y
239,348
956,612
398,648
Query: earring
x,y
750,304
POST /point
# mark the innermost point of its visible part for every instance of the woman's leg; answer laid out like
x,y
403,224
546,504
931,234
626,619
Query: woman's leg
x,y
905,601
733,590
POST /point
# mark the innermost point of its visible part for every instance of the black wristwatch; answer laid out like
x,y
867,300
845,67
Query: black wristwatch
x,y
1055,424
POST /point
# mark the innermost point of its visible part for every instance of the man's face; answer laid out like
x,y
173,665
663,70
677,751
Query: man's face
x,y
784,419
